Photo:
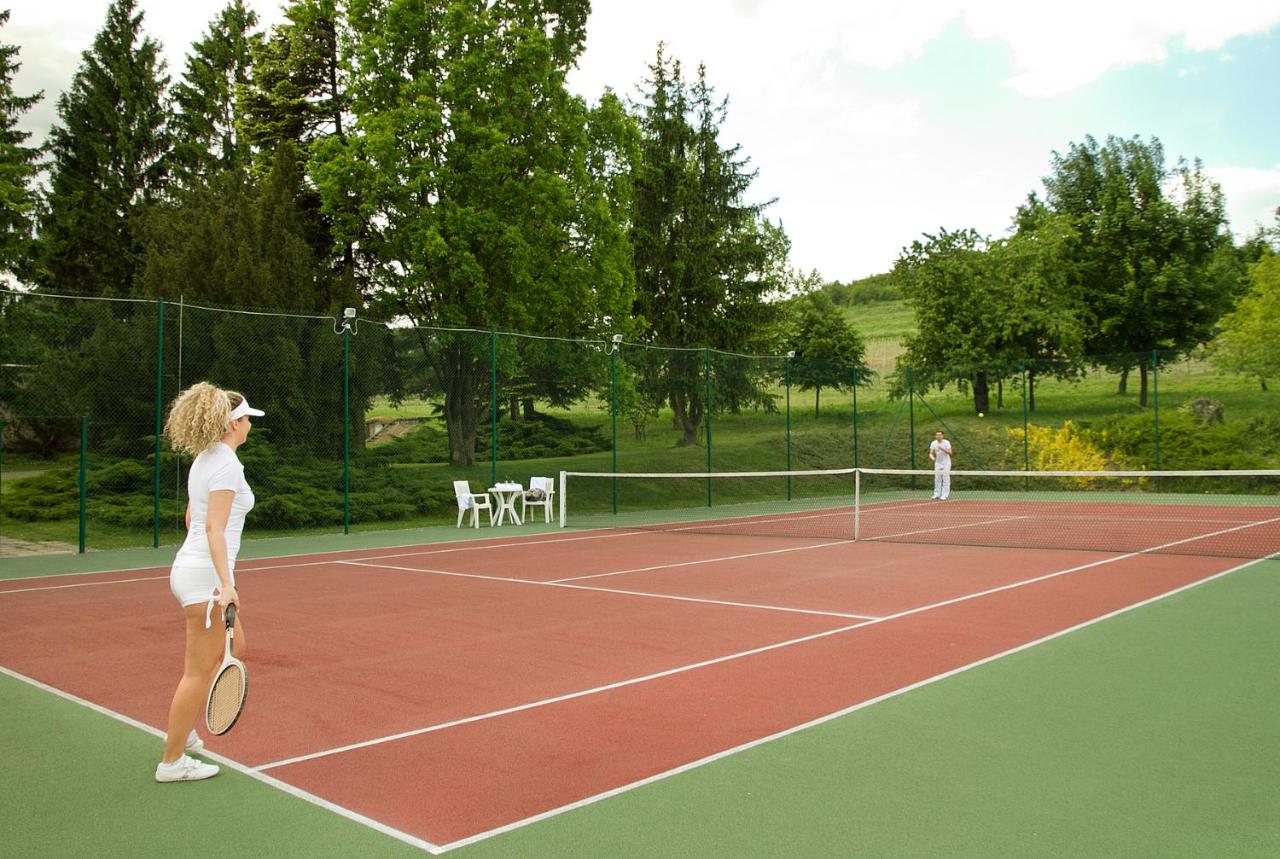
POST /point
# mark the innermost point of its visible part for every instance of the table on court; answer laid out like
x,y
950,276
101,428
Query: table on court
x,y
506,494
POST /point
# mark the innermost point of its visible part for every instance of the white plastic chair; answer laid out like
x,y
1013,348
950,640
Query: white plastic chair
x,y
468,500
548,487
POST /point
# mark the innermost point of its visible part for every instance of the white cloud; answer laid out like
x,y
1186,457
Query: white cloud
x,y
1253,195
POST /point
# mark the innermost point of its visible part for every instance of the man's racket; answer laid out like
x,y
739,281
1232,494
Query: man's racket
x,y
226,695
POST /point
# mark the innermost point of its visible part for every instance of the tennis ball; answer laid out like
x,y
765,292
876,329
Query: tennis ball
x,y
982,414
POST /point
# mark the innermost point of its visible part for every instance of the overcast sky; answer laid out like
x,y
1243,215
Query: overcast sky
x,y
874,124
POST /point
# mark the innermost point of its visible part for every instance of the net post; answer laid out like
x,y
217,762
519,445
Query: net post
x,y
857,503
155,470
83,480
564,488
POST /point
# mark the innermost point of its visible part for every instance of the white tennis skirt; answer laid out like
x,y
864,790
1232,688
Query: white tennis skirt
x,y
194,585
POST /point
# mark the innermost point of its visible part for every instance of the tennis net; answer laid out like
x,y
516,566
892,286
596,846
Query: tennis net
x,y
1220,513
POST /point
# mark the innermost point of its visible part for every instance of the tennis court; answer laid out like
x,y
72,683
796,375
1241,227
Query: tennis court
x,y
448,692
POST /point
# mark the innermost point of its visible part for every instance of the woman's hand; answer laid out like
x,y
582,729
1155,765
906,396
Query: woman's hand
x,y
228,596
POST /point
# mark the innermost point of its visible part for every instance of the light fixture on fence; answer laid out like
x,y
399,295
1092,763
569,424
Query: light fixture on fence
x,y
617,342
791,354
349,319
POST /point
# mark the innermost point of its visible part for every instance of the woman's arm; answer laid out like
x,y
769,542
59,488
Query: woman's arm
x,y
215,528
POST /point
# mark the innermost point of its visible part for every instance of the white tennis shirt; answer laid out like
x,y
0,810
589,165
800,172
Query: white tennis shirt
x,y
941,453
214,469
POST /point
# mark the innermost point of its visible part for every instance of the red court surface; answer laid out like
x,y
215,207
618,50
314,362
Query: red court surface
x,y
486,682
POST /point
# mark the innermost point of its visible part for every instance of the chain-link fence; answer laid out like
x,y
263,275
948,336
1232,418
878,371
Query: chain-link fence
x,y
369,423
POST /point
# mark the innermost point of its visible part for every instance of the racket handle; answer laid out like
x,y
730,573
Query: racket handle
x,y
231,615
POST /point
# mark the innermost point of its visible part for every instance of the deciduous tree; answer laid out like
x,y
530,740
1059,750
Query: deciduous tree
x,y
465,175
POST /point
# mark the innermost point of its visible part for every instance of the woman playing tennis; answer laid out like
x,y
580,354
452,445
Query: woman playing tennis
x,y
208,423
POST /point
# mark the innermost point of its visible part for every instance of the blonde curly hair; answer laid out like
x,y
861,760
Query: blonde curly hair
x,y
200,416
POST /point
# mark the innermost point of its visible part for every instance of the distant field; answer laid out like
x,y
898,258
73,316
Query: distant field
x,y
882,325
882,319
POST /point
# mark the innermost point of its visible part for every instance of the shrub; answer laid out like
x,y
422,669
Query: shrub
x,y
127,475
1063,449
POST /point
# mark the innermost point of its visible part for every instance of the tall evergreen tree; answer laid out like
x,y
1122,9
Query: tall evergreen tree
x,y
206,122
108,161
298,95
706,260
19,164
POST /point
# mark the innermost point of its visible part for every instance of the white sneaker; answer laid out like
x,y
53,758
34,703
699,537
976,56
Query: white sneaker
x,y
195,745
185,769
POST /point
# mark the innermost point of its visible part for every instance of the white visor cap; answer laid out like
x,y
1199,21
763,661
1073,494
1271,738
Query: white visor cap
x,y
245,409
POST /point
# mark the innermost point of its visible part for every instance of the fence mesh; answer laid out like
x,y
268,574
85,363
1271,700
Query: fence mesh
x,y
369,422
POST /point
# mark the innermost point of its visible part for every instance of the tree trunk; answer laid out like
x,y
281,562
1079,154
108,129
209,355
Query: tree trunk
x,y
1031,390
1142,384
981,392
817,397
1124,382
688,417
460,415
529,413
513,408
999,393
1263,382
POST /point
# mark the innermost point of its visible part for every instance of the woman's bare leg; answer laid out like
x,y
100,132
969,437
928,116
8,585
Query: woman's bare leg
x,y
203,654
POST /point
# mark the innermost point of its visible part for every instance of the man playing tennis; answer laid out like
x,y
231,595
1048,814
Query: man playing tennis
x,y
940,453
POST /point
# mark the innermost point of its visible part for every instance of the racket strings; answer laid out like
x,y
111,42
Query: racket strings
x,y
225,699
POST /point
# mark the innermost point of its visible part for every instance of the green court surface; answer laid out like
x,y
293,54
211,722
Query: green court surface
x,y
1151,733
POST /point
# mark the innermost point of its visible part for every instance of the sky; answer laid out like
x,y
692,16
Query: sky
x,y
873,124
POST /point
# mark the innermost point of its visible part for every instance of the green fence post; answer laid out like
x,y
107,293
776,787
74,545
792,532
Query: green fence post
x,y
1026,445
613,418
1,462
707,363
155,470
346,426
855,415
493,406
786,375
1155,400
83,481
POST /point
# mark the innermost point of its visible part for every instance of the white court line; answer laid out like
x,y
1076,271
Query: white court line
x,y
82,585
945,528
458,546
538,583
411,840
692,765
742,654
704,561
461,546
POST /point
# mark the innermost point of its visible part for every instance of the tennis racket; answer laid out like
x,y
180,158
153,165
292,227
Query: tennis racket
x,y
226,695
